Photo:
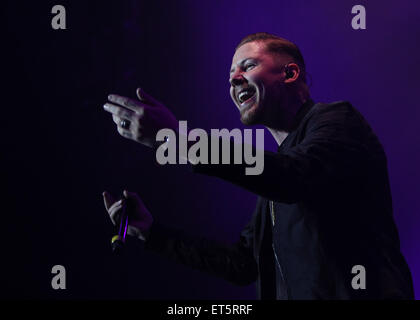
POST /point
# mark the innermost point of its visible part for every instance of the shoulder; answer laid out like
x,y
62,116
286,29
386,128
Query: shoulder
x,y
341,121
337,107
338,112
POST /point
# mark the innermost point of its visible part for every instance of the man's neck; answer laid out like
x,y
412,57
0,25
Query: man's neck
x,y
280,134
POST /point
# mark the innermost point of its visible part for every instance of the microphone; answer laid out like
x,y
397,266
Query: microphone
x,y
118,241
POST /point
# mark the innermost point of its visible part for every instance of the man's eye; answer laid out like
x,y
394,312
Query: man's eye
x,y
249,66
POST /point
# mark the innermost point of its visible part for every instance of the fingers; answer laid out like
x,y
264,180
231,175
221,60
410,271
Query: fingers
x,y
128,103
141,126
143,96
113,207
114,211
119,114
115,214
127,194
130,195
108,199
134,197
117,121
133,132
121,111
126,133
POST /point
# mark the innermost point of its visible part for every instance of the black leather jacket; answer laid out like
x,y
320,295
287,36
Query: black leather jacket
x,y
329,188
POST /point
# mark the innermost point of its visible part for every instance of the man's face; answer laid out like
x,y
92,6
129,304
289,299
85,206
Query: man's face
x,y
256,80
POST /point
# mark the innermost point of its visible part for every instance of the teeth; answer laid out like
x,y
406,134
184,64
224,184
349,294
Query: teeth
x,y
244,94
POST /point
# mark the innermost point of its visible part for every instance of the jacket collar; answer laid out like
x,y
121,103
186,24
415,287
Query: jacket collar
x,y
302,111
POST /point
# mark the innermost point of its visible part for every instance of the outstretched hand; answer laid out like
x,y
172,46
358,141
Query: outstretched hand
x,y
141,119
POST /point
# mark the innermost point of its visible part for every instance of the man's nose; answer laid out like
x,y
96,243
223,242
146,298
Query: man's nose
x,y
236,80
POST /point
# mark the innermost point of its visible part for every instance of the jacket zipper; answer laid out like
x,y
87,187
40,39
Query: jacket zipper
x,y
274,249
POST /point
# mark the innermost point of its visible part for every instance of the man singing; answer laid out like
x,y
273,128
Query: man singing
x,y
324,208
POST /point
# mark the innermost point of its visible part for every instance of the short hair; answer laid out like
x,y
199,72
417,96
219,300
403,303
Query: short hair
x,y
275,44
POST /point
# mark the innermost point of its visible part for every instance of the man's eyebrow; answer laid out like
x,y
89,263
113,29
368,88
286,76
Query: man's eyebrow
x,y
241,63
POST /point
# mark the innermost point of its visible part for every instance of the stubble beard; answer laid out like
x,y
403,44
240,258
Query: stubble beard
x,y
251,116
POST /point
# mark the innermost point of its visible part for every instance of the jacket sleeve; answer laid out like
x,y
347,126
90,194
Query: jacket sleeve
x,y
332,152
234,263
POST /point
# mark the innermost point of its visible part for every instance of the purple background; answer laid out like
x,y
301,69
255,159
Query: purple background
x,y
61,150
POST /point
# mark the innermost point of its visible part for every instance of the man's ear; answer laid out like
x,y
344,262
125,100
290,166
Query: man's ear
x,y
292,71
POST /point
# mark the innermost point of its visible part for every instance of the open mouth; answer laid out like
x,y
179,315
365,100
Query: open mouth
x,y
246,95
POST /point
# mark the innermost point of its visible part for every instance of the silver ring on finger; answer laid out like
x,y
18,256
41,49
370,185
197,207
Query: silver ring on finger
x,y
125,124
